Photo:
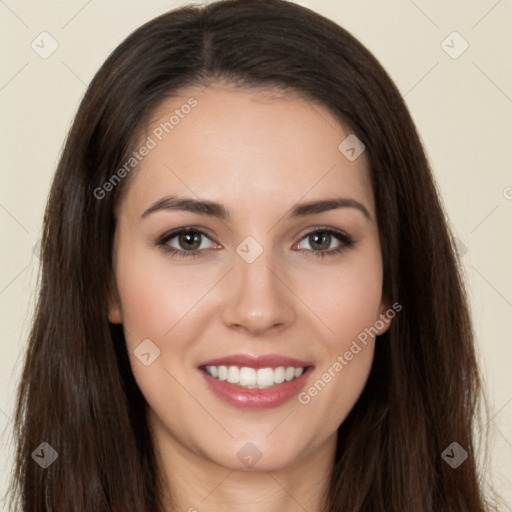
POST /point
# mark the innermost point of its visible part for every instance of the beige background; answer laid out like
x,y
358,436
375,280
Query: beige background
x,y
462,107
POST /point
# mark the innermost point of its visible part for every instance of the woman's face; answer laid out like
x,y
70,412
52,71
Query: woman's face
x,y
273,284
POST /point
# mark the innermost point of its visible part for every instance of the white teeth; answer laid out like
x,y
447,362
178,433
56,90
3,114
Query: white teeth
x,y
233,374
223,372
279,375
260,378
289,373
265,377
247,376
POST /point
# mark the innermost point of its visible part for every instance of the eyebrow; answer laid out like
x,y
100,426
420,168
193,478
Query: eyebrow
x,y
213,209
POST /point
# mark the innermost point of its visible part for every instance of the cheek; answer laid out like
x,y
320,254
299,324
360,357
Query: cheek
x,y
348,304
346,298
155,295
158,301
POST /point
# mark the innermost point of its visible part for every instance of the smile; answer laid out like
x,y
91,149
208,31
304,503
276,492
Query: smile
x,y
253,388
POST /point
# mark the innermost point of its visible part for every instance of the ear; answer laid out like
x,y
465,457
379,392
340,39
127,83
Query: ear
x,y
386,315
115,315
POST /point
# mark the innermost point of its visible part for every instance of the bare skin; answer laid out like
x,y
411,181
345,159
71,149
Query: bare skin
x,y
259,155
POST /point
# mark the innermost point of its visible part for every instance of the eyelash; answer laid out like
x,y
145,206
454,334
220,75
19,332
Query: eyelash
x,y
346,242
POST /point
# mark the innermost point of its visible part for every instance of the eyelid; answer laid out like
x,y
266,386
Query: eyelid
x,y
169,235
330,229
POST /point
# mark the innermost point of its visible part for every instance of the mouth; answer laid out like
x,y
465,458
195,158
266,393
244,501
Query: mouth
x,y
255,382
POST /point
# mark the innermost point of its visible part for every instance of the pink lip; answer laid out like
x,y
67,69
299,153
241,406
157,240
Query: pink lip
x,y
255,361
245,398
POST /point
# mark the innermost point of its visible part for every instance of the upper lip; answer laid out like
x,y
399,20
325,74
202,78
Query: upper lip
x,y
256,361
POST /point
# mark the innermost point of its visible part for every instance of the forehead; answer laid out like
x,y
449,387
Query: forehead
x,y
248,149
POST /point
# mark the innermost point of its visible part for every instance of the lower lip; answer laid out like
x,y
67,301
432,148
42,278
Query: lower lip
x,y
245,398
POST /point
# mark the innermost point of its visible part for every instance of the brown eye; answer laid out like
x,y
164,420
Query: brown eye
x,y
191,241
184,242
320,242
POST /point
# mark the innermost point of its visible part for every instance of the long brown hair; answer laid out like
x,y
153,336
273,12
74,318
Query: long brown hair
x,y
77,392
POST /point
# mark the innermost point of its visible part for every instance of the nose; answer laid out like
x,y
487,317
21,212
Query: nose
x,y
259,299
